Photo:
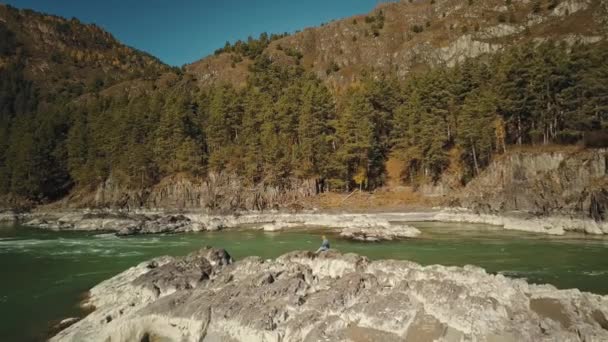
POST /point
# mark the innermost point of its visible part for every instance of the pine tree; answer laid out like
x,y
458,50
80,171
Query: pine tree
x,y
223,125
256,106
516,101
313,130
355,132
476,130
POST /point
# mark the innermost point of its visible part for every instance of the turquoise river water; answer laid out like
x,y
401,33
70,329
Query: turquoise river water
x,y
44,274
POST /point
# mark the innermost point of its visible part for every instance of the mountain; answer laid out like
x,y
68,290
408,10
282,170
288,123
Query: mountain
x,y
406,36
424,94
67,58
47,64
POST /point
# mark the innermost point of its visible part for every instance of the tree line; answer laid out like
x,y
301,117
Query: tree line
x,y
286,123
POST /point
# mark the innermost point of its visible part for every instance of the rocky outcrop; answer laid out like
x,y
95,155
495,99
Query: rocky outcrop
x,y
570,7
522,221
121,223
570,185
217,193
151,222
302,296
463,48
386,233
363,227
499,31
162,224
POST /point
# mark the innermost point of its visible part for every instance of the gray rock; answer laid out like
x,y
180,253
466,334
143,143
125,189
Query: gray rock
x,y
374,234
302,296
8,216
183,274
543,184
218,192
163,224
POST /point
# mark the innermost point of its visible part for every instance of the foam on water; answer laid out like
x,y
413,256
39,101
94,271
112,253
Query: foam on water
x,y
16,243
595,273
521,274
104,246
68,252
129,254
87,274
106,236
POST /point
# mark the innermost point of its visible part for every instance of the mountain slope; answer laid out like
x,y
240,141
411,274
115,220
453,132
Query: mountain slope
x,y
407,36
66,57
47,66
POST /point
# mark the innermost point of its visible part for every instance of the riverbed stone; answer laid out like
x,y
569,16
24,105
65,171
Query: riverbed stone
x,y
385,233
303,296
158,225
8,216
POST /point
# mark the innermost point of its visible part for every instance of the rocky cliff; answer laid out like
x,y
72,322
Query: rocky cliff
x,y
572,183
216,193
531,190
569,181
301,296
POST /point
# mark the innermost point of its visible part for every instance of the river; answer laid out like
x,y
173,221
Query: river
x,y
45,274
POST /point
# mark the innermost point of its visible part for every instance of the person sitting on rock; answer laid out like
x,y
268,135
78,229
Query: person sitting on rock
x,y
324,245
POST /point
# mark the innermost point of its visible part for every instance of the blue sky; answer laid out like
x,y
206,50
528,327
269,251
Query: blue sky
x,y
182,31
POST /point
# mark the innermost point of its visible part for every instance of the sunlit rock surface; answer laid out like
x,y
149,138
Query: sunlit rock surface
x,y
387,233
302,296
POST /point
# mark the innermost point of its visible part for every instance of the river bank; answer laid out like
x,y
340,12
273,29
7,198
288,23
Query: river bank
x,y
161,221
301,296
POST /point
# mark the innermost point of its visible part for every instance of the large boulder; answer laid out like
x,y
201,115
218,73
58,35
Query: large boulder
x,y
302,296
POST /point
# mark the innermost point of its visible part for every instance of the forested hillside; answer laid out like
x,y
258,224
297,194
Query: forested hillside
x,y
46,64
146,123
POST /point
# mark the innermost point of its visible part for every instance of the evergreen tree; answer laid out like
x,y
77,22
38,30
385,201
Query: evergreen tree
x,y
476,130
313,131
355,133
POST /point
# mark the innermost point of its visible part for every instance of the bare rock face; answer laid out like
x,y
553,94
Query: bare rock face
x,y
463,48
570,6
218,193
559,183
302,296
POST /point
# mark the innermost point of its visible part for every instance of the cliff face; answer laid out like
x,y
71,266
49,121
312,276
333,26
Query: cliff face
x,y
405,36
217,193
572,183
566,183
